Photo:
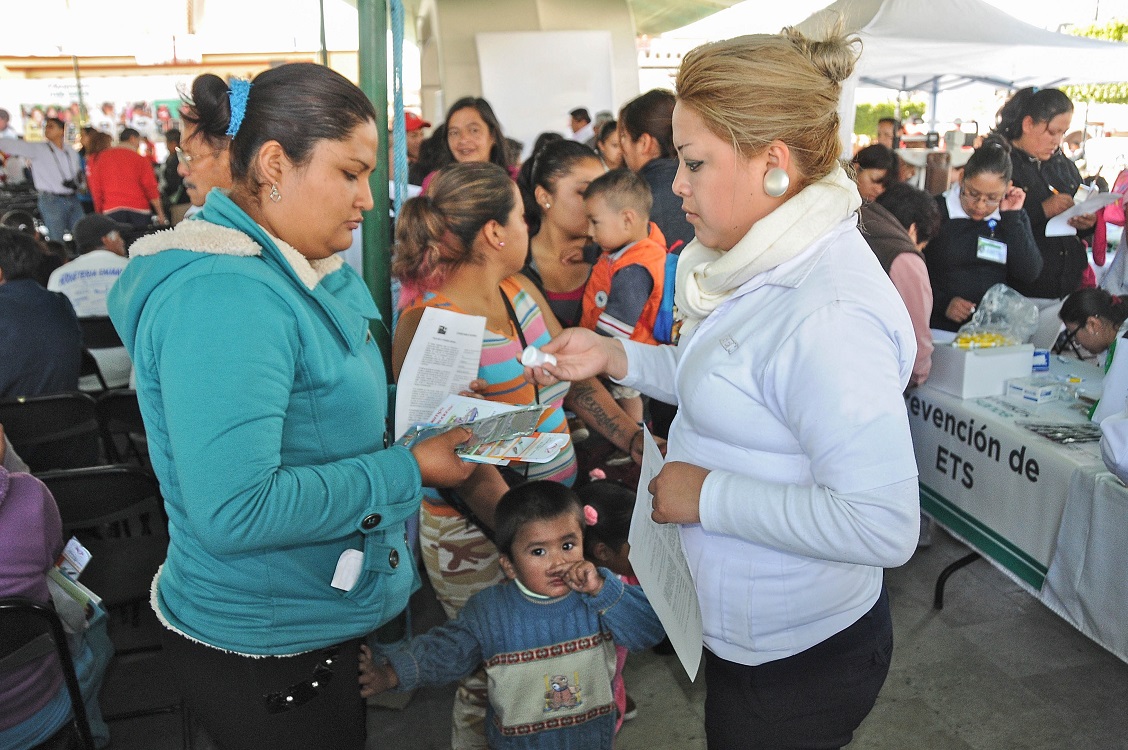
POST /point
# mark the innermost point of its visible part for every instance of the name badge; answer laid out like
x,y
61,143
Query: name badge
x,y
992,250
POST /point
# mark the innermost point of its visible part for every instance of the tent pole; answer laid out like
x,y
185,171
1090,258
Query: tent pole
x,y
932,104
373,51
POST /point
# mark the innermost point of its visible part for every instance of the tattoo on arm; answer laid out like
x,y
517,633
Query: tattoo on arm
x,y
591,401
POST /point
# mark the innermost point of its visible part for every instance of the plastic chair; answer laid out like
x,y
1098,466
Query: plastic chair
x,y
123,430
118,514
29,630
54,432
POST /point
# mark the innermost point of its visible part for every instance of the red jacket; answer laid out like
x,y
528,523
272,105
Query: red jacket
x,y
121,178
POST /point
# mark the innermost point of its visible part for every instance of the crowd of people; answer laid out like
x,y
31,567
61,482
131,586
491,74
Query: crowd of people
x,y
266,404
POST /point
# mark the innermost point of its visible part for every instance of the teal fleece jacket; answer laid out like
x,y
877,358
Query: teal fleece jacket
x,y
264,399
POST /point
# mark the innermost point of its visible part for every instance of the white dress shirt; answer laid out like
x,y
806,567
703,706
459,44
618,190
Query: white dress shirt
x,y
790,394
50,165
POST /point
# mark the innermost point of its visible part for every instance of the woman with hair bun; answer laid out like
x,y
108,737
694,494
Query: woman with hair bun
x,y
985,237
204,162
790,468
460,247
265,404
1034,121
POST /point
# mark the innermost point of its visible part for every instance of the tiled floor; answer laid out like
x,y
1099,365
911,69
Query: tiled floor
x,y
995,670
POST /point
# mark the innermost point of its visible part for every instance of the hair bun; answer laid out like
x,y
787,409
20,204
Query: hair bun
x,y
835,55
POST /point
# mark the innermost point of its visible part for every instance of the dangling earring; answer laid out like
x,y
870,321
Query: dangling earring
x,y
776,182
274,194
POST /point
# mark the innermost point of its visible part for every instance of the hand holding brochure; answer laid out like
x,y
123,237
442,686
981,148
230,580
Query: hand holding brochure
x,y
500,432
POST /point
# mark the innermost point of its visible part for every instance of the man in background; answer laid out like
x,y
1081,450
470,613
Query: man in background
x,y
582,129
56,173
40,341
887,132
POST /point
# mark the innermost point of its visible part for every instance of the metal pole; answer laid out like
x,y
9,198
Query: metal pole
x,y
82,114
324,48
377,227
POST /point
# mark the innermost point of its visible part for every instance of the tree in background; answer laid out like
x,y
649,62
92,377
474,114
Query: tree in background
x,y
1109,93
867,115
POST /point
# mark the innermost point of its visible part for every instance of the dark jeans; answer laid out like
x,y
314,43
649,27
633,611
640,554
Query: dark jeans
x,y
242,701
138,219
813,700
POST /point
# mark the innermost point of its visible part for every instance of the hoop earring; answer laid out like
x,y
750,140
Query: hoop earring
x,y
776,182
274,194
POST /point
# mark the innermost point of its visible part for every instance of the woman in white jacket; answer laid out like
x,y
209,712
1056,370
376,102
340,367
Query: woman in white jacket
x,y
790,467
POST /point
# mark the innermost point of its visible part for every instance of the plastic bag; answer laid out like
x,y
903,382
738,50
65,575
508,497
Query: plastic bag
x,y
1003,318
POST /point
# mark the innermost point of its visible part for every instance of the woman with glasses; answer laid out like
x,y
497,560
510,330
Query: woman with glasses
x,y
984,239
1094,323
1034,121
203,161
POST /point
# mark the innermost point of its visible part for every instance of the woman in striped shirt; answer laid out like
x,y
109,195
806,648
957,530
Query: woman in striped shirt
x,y
461,246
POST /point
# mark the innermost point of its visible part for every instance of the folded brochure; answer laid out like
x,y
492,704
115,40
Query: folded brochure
x,y
500,432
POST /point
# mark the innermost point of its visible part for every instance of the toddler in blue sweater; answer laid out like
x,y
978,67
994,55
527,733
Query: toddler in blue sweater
x,y
546,636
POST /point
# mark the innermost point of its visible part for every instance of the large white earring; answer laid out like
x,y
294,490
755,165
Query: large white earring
x,y
776,182
274,194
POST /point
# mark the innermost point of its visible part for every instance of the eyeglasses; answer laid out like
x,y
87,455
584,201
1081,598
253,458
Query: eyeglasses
x,y
187,159
1067,339
974,197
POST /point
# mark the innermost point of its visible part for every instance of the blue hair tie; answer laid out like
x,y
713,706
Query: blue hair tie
x,y
237,93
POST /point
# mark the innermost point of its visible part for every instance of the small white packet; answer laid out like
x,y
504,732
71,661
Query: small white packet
x,y
348,569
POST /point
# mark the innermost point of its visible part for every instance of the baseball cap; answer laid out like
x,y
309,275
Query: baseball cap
x,y
90,230
412,121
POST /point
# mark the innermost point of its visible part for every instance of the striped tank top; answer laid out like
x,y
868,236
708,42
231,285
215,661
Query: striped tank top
x,y
501,368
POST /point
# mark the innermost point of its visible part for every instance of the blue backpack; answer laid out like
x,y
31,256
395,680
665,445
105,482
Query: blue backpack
x,y
664,320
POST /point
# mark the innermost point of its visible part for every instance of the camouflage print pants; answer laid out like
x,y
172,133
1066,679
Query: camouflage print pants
x,y
460,562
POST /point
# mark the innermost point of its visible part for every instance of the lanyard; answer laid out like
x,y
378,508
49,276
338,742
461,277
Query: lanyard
x,y
54,156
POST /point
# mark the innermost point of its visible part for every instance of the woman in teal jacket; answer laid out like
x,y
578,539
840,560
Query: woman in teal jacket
x,y
264,399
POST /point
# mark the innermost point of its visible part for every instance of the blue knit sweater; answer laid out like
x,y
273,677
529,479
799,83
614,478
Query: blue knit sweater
x,y
549,662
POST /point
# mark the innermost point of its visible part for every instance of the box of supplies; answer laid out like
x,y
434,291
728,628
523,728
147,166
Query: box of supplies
x,y
1032,391
972,373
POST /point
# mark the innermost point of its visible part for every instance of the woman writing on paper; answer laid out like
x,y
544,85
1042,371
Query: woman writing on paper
x,y
790,473
1034,120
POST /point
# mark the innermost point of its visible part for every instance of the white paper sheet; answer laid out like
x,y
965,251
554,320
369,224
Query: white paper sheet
x,y
442,360
658,559
1059,225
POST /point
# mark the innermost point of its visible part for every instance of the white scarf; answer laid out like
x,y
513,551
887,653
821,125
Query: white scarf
x,y
707,277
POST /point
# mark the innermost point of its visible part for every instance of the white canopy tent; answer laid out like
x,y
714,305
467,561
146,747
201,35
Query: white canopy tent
x,y
923,45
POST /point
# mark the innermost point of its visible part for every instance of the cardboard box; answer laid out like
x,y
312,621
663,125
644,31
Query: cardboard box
x,y
1032,391
972,373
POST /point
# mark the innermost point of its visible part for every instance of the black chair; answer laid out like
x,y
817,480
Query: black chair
x,y
54,432
123,430
99,333
89,366
117,513
29,630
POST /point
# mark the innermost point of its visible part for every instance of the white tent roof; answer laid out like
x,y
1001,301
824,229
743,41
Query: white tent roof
x,y
908,43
